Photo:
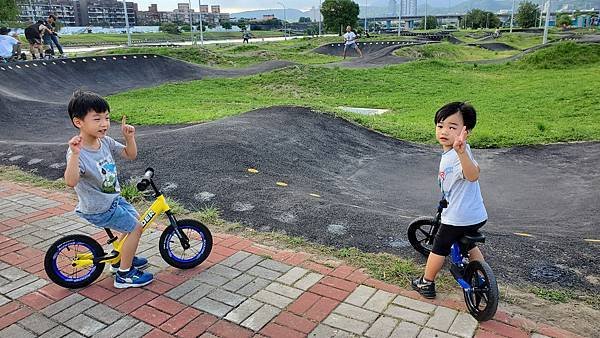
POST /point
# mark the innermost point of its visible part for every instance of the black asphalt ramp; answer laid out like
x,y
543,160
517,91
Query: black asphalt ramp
x,y
32,89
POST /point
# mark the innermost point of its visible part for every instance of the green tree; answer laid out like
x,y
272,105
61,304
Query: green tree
x,y
527,14
432,22
339,14
226,25
170,28
9,10
476,18
304,19
563,20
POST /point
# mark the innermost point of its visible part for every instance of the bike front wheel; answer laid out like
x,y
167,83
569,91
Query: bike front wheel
x,y
482,298
172,249
69,261
420,234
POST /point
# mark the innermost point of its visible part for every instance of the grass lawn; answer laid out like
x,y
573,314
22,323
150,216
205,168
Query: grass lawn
x,y
236,55
82,39
520,103
449,52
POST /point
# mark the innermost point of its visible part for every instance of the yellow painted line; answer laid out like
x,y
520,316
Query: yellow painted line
x,y
282,184
592,240
522,234
252,170
315,195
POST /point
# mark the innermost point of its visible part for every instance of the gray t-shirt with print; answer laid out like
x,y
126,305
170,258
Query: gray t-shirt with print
x,y
98,185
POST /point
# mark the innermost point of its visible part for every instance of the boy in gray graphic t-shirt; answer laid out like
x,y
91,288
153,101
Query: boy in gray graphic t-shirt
x,y
92,171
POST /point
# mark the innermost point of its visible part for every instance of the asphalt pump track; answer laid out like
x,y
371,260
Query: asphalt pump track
x,y
346,186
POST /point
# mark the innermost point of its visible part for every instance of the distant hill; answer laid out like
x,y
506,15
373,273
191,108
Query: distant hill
x,y
385,7
292,14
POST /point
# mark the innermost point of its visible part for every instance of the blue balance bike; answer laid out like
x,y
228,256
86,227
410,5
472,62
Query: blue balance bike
x,y
476,278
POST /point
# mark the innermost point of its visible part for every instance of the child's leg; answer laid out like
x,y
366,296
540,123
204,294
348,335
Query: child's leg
x,y
130,246
475,254
434,265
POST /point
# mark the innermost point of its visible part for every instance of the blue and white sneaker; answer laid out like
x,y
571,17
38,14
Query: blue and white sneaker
x,y
139,263
133,278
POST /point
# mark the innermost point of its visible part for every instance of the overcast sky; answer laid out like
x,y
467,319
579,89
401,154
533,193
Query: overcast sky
x,y
231,6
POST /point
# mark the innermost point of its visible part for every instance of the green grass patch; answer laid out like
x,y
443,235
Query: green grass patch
x,y
449,52
82,39
516,105
14,174
555,296
130,192
564,55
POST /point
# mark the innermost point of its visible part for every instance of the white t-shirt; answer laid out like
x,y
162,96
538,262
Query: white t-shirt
x,y
6,45
350,38
465,204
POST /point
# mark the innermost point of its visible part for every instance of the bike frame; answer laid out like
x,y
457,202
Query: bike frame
x,y
158,207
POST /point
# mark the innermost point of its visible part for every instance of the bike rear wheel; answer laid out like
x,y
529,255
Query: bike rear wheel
x,y
420,234
482,299
60,259
200,240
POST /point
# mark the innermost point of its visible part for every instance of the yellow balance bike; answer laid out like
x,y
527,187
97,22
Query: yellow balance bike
x,y
76,261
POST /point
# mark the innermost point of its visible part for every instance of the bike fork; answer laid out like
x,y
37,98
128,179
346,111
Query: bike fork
x,y
185,241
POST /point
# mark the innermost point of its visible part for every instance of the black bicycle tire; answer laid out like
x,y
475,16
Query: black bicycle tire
x,y
492,294
201,228
415,226
49,259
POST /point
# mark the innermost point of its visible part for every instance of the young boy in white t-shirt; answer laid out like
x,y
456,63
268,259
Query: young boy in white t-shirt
x,y
458,179
350,41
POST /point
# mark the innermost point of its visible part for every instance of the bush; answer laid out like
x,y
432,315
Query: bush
x,y
169,28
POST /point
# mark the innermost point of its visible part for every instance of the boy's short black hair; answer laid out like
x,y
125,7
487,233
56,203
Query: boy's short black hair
x,y
465,109
82,102
52,16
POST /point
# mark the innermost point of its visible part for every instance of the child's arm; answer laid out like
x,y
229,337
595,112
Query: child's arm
x,y
469,168
72,171
130,151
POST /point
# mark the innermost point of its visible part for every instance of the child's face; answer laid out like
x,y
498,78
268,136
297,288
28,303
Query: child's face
x,y
448,130
93,124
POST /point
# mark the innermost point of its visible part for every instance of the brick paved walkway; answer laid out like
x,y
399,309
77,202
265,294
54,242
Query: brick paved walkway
x,y
243,290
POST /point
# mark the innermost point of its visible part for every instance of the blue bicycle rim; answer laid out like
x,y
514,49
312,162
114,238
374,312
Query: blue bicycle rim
x,y
60,274
178,259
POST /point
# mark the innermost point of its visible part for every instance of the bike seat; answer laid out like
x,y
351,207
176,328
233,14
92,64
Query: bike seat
x,y
473,237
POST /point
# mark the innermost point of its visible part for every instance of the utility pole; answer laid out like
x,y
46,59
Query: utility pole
x,y
201,28
425,14
127,24
547,23
399,16
512,15
284,21
365,16
320,18
191,24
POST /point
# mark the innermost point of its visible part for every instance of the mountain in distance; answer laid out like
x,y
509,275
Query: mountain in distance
x,y
379,8
292,14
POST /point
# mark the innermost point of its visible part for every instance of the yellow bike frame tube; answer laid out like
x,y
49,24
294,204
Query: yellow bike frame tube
x,y
157,208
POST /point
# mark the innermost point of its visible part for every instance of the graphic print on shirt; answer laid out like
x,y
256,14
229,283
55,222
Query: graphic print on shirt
x,y
108,170
441,178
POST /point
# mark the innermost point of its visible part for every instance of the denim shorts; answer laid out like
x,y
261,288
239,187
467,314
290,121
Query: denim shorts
x,y
121,216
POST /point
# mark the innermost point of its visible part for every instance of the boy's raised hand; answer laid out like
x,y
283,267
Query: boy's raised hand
x,y
460,142
127,129
75,144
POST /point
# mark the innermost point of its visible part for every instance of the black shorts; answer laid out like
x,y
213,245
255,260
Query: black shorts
x,y
450,234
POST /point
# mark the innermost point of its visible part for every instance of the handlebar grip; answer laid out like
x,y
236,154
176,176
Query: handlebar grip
x,y
143,184
149,173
